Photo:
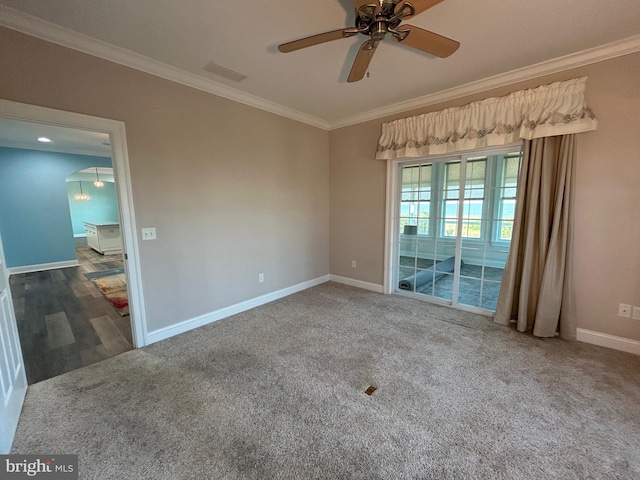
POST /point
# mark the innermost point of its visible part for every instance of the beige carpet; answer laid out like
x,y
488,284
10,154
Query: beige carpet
x,y
278,392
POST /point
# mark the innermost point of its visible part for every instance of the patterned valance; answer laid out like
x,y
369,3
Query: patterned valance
x,y
555,109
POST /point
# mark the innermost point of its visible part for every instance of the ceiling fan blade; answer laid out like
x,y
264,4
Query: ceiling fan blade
x,y
419,5
361,63
317,39
427,41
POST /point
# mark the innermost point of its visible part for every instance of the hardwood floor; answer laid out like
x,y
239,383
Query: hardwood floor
x,y
64,322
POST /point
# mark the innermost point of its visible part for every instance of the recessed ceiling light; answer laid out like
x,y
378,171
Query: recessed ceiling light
x,y
44,139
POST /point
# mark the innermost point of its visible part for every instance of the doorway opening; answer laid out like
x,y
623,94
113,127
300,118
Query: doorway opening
x,y
77,320
452,227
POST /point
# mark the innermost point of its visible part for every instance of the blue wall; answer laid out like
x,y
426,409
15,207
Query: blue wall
x,y
34,209
102,208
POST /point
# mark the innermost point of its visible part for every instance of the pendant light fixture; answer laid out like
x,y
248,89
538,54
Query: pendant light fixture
x,y
98,183
81,197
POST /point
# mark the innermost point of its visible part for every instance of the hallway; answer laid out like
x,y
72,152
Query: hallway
x,y
64,322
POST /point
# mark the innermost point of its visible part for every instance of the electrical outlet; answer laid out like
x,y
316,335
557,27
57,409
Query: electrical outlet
x,y
148,233
353,264
260,277
636,313
624,310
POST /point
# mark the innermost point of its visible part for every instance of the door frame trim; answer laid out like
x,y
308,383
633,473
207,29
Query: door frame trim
x,y
120,160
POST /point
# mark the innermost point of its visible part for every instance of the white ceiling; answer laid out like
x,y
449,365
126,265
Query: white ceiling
x,y
19,134
177,39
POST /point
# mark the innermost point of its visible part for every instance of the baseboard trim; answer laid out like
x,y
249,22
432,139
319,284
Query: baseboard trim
x,y
357,283
207,318
42,267
609,341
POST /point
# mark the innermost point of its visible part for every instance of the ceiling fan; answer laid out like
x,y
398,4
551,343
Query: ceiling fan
x,y
376,18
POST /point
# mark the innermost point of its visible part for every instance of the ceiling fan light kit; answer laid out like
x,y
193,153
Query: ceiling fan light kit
x,y
376,19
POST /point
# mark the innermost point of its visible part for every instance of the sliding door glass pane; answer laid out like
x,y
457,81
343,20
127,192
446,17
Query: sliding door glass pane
x,y
443,270
474,193
484,257
451,196
414,226
509,170
456,222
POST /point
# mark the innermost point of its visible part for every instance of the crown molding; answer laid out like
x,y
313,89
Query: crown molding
x,y
560,64
53,33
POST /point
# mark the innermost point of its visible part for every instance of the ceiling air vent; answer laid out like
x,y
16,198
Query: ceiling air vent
x,y
224,72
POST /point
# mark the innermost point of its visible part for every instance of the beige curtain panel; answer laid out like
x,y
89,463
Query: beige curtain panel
x,y
537,284
549,110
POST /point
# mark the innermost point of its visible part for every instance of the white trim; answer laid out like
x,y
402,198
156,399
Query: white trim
x,y
444,303
120,160
374,287
207,318
128,230
390,226
41,267
51,32
574,60
610,341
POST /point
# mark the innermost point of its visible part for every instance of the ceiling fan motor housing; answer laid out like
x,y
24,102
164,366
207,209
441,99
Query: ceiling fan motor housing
x,y
375,20
378,30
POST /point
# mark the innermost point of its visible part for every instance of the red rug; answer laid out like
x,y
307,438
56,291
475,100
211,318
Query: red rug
x,y
113,286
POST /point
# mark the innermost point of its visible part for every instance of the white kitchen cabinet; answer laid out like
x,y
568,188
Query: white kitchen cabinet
x,y
104,237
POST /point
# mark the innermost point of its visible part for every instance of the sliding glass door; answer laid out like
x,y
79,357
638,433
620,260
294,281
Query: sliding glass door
x,y
455,217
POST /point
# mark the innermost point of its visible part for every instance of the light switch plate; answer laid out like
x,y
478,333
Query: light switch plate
x,y
148,233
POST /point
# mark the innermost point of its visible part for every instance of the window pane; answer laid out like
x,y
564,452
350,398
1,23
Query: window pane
x,y
508,209
423,209
505,230
405,209
450,220
474,191
423,218
511,171
409,196
425,178
472,209
452,180
474,181
416,197
410,178
507,189
475,174
471,228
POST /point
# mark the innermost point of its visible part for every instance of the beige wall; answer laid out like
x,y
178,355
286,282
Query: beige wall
x,y
607,243
232,190
235,191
